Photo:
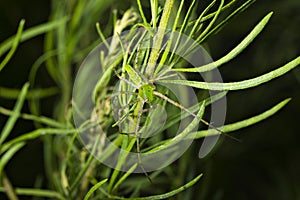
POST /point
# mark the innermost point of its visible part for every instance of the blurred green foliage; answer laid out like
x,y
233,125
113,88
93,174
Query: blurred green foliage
x,y
264,166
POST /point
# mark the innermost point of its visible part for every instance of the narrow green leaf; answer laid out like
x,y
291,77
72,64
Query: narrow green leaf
x,y
108,151
94,188
197,24
14,45
170,42
211,22
207,17
211,15
123,178
245,123
226,20
9,93
154,11
38,63
240,84
183,27
158,38
40,119
248,40
105,78
186,49
8,188
141,12
234,52
13,118
77,16
160,196
37,193
176,118
8,155
65,163
36,133
183,134
122,159
30,33
86,166
101,35
133,75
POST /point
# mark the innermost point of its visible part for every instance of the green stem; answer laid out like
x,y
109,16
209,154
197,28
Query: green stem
x,y
8,188
37,193
158,38
14,46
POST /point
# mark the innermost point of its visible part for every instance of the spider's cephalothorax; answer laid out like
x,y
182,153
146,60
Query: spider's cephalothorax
x,y
146,92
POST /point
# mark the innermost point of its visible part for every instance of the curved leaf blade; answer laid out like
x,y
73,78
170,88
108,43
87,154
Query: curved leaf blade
x,y
160,196
240,84
234,52
9,93
14,45
35,134
94,188
37,193
8,155
16,113
244,123
30,33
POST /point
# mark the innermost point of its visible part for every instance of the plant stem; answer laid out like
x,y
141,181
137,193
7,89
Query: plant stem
x,y
158,38
8,188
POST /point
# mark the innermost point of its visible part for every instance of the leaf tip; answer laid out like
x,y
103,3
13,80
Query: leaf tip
x,y
26,85
269,15
22,22
287,100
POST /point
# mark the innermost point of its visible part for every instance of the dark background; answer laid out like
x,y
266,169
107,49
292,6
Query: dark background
x,y
27,164
265,165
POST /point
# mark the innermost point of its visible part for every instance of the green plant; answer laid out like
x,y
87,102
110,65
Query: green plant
x,y
70,176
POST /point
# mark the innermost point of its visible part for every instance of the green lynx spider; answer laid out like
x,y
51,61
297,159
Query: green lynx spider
x,y
146,93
